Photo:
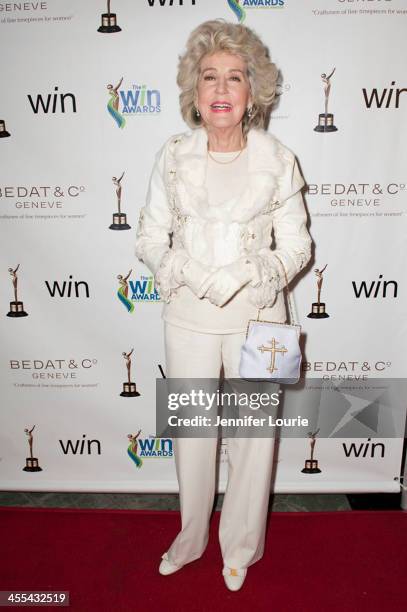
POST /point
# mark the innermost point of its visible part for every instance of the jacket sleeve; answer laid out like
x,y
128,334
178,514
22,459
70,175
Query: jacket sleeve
x,y
152,245
292,241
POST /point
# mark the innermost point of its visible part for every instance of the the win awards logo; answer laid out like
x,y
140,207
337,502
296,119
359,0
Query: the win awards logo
x,y
239,6
143,290
139,100
152,447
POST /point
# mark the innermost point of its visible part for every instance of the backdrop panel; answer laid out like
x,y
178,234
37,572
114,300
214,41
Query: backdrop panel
x,y
84,113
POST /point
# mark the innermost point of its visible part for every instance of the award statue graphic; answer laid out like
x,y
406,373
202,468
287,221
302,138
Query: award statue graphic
x,y
132,449
31,462
318,307
311,465
3,132
326,120
109,22
113,104
129,388
119,218
16,307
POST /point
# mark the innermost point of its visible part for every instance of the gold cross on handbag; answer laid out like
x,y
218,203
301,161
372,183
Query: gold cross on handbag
x,y
271,350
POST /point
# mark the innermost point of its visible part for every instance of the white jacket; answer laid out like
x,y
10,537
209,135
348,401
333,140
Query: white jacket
x,y
177,216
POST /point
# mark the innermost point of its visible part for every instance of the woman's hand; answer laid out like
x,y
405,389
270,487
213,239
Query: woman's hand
x,y
194,275
222,284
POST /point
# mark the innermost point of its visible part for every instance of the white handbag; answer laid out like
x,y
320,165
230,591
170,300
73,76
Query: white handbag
x,y
272,351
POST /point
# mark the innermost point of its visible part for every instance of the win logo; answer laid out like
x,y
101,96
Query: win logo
x,y
80,447
131,102
363,450
52,103
68,288
383,98
372,291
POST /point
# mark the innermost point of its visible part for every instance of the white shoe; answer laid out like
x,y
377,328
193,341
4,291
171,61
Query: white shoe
x,y
166,567
234,578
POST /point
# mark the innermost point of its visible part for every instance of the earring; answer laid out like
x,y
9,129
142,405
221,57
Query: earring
x,y
249,111
198,114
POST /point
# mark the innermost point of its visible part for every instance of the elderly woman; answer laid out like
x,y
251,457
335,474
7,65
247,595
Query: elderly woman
x,y
219,190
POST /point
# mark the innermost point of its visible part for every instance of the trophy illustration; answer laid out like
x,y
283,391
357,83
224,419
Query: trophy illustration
x,y
31,462
16,307
129,388
3,131
318,307
119,218
326,120
311,465
109,22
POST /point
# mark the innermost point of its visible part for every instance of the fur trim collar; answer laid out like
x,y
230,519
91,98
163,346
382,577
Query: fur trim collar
x,y
269,164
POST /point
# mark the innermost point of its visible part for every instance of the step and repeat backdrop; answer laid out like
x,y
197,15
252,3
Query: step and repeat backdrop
x,y
89,96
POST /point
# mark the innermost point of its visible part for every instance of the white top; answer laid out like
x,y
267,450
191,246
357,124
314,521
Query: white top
x,y
223,181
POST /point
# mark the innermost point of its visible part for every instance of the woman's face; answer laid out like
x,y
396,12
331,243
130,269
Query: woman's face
x,y
223,90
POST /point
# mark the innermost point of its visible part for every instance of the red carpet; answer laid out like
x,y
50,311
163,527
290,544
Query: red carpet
x,y
108,559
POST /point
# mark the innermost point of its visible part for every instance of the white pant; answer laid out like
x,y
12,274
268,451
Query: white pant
x,y
190,354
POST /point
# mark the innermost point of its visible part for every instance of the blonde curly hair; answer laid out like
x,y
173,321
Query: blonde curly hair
x,y
220,35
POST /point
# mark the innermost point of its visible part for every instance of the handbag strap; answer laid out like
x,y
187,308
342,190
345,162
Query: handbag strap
x,y
291,308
